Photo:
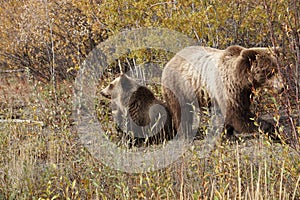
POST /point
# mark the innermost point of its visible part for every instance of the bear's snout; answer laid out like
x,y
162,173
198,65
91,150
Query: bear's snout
x,y
277,84
105,93
280,90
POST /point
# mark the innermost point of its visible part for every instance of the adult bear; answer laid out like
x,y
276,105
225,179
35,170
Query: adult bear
x,y
225,77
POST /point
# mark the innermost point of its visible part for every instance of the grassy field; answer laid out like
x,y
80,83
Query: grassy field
x,y
49,162
43,47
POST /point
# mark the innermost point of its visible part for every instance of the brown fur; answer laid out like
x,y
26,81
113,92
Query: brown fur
x,y
137,110
228,76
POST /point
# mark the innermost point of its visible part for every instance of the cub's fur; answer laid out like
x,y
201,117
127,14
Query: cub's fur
x,y
138,112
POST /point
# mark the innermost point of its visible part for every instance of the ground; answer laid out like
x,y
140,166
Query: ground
x,y
48,162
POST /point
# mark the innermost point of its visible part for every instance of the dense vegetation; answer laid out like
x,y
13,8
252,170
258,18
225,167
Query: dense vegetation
x,y
42,47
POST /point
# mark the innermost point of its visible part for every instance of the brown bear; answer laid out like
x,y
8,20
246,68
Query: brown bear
x,y
138,112
225,77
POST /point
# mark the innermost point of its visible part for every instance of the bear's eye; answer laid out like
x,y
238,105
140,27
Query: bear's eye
x,y
273,71
270,73
111,86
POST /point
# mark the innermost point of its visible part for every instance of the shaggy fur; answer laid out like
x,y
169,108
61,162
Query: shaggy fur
x,y
226,77
138,112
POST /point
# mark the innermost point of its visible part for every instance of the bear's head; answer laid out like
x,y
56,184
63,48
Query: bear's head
x,y
135,108
119,91
119,86
258,67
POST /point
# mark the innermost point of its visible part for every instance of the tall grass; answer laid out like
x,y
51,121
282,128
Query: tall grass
x,y
50,163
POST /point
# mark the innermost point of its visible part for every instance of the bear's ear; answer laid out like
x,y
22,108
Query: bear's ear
x,y
233,50
125,81
263,57
245,60
249,55
266,51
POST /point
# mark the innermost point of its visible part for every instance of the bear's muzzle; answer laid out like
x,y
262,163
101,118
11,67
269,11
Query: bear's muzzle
x,y
276,83
105,93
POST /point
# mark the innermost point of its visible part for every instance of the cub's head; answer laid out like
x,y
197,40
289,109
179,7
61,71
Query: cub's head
x,y
258,67
119,92
120,87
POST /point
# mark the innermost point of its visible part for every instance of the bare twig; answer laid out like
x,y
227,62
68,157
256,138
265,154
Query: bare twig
x,y
12,70
22,121
53,72
274,40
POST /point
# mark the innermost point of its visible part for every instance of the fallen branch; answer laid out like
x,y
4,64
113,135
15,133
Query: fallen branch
x,y
12,70
23,121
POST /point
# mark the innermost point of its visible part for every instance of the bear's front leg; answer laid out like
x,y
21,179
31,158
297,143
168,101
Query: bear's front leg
x,y
246,124
239,121
270,129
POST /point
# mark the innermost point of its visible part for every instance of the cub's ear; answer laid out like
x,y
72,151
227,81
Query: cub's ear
x,y
126,82
124,79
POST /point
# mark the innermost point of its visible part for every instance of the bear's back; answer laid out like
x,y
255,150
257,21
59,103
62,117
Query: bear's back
x,y
198,65
193,54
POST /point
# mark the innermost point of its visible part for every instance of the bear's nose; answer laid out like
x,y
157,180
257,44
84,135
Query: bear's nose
x,y
278,84
105,95
280,90
279,87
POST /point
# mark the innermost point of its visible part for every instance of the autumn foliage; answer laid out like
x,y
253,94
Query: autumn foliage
x,y
43,43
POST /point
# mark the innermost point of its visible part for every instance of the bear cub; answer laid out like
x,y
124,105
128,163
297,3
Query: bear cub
x,y
137,112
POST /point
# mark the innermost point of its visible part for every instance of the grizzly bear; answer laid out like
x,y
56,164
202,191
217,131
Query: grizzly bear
x,y
223,78
137,112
